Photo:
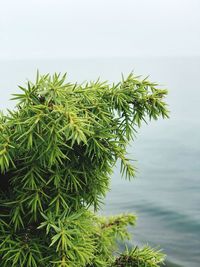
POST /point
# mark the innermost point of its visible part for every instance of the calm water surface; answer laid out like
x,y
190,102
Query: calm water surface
x,y
166,192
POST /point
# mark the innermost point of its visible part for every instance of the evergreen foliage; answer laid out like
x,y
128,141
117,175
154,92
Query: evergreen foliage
x,y
57,152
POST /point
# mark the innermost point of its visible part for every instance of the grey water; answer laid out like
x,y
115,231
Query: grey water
x,y
165,194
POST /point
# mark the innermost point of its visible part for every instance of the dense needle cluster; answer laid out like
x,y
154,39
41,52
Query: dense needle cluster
x,y
57,152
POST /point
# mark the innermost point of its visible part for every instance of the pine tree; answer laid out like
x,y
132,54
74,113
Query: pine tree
x,y
57,152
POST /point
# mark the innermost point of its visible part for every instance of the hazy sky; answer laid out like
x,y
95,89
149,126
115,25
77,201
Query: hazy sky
x,y
98,28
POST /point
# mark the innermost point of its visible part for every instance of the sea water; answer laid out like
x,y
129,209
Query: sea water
x,y
165,194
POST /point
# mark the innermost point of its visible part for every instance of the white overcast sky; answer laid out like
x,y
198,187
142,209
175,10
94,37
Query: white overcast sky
x,y
98,28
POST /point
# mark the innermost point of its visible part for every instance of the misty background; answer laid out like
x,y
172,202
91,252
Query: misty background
x,y
98,28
